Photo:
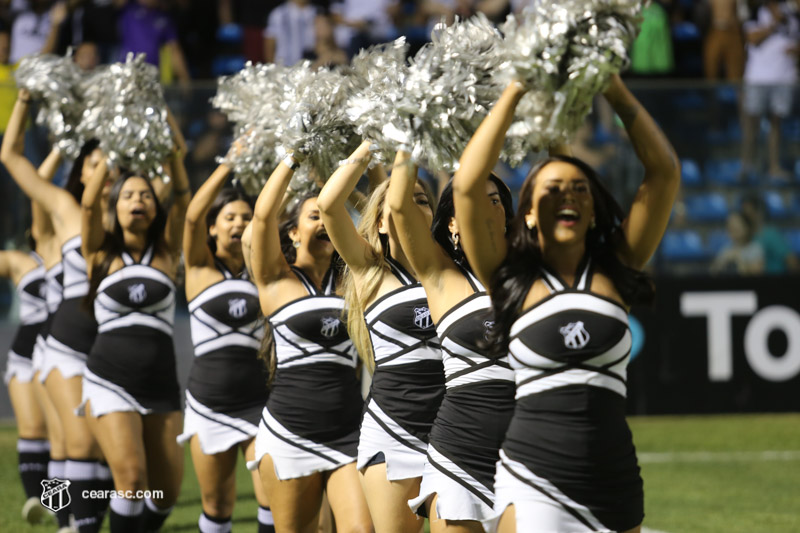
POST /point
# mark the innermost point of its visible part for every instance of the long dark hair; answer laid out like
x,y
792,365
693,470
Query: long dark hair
x,y
114,242
512,281
225,197
74,185
445,210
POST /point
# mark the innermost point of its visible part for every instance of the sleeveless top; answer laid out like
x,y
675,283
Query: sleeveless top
x,y
226,333
54,283
72,326
463,331
315,393
136,295
408,383
31,292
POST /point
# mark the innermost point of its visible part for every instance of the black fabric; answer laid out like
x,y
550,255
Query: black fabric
x,y
377,459
32,470
141,360
152,521
472,330
73,326
62,516
577,438
326,327
320,402
410,394
101,504
229,380
25,339
125,524
219,308
471,424
127,292
84,510
545,336
413,318
44,327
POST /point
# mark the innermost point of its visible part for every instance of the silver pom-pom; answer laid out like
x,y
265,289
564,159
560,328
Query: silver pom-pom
x,y
126,112
564,52
54,80
317,126
254,99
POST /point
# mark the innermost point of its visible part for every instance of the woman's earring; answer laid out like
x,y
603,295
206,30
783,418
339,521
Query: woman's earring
x,y
593,224
455,241
296,244
530,223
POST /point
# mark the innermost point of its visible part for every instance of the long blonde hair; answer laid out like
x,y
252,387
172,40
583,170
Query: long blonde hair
x,y
356,297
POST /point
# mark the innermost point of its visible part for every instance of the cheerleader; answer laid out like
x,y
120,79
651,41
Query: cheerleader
x,y
72,330
390,324
131,396
227,383
457,490
561,285
308,435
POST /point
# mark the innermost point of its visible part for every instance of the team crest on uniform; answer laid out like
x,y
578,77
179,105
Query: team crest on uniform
x,y
137,293
237,307
55,495
422,317
488,325
330,326
575,335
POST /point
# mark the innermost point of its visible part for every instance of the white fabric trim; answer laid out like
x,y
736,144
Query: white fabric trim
x,y
402,461
106,397
217,432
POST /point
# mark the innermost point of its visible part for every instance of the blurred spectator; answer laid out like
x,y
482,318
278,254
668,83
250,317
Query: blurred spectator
x,y
743,255
361,23
35,29
143,27
93,21
327,52
197,22
778,257
724,46
290,34
770,74
86,56
651,53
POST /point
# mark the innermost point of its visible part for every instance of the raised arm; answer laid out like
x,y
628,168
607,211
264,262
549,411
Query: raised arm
x,y
483,241
413,231
331,202
181,192
60,204
266,257
651,208
92,231
15,264
196,252
40,220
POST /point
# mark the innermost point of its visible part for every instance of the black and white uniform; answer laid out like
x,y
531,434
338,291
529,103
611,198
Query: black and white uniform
x,y
32,315
132,363
568,462
54,292
408,383
228,383
472,421
310,422
72,329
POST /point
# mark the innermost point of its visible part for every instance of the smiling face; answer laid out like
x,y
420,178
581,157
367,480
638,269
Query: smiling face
x,y
229,225
136,205
562,208
310,232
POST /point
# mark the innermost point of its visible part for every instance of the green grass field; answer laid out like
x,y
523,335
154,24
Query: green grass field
x,y
726,474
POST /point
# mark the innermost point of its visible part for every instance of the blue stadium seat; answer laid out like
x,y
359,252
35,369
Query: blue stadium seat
x,y
224,65
682,245
717,240
793,237
775,206
230,33
685,31
708,207
690,173
724,171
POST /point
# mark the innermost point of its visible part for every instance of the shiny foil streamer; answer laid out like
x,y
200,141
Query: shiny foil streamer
x,y
126,112
564,53
255,101
432,106
317,126
54,81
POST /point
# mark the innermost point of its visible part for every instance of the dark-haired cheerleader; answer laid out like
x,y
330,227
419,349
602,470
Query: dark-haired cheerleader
x,y
228,383
561,283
